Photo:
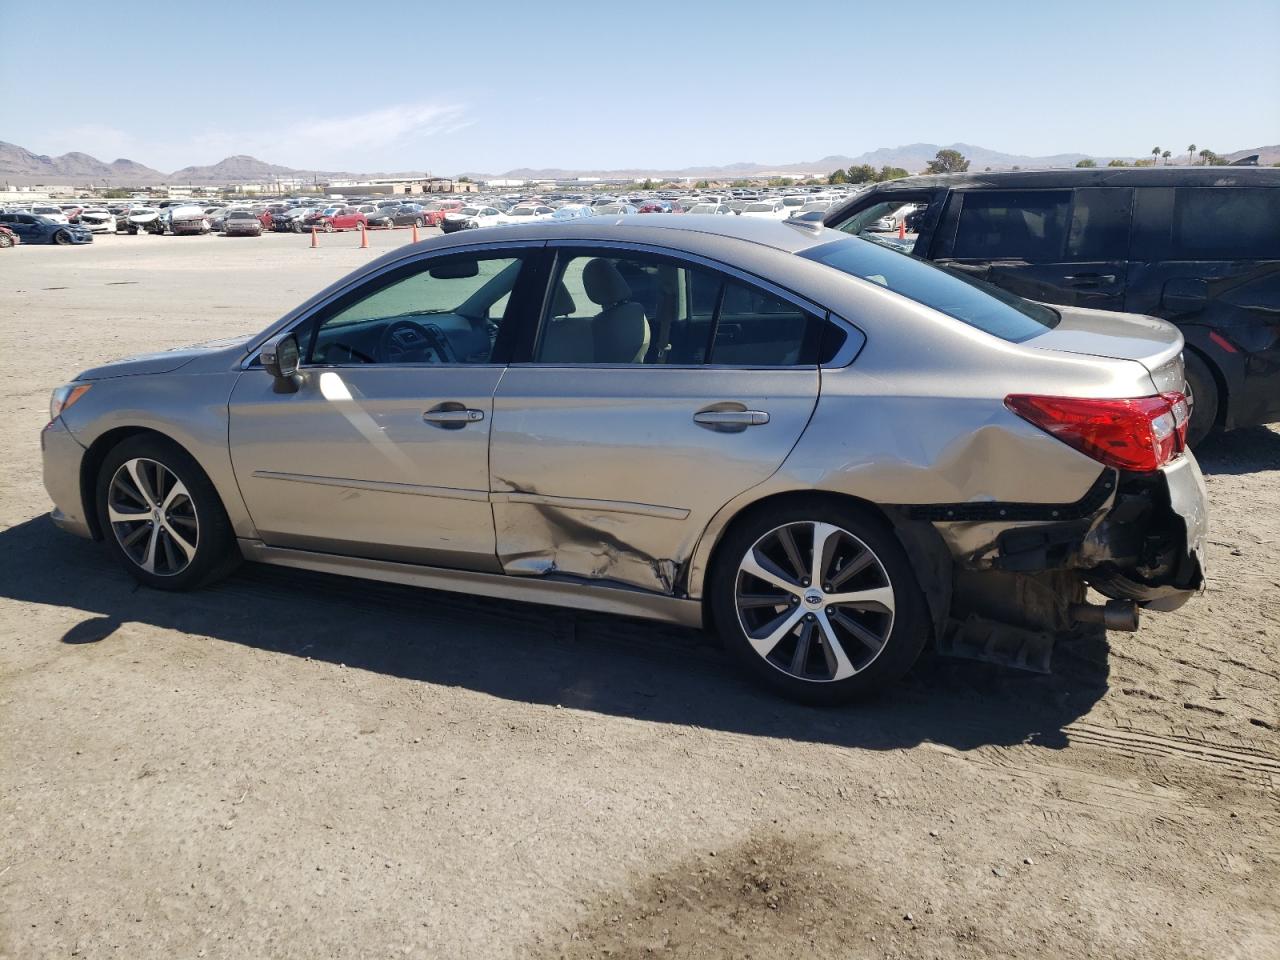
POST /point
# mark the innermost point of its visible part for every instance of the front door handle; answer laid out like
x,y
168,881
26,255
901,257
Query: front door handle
x,y
452,416
730,420
1091,279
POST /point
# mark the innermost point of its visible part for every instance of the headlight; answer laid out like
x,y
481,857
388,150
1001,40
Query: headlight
x,y
64,397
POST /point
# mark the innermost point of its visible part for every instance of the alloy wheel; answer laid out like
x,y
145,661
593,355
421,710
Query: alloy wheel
x,y
153,517
814,601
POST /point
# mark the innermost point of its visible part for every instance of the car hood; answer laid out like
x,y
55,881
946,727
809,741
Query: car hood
x,y
1152,342
163,362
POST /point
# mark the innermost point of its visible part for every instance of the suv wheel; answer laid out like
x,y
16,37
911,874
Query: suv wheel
x,y
1203,388
162,517
819,602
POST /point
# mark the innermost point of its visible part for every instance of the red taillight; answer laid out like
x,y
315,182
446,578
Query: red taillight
x,y
1139,434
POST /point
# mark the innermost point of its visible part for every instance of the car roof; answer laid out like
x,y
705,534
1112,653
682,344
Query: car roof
x,y
1094,177
699,234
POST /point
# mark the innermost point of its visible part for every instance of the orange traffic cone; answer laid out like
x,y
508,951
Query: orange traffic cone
x,y
315,241
902,229
364,238
415,233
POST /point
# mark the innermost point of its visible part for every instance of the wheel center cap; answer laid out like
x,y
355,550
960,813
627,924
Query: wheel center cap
x,y
813,598
155,515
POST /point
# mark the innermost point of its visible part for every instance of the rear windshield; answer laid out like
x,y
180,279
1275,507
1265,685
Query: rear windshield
x,y
978,304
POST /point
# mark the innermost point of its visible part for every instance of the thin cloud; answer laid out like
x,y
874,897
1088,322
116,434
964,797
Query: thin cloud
x,y
359,141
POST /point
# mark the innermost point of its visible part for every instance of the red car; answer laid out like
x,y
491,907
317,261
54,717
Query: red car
x,y
8,238
437,209
335,218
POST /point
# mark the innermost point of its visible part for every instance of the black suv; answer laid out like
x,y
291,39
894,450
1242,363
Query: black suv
x,y
1197,246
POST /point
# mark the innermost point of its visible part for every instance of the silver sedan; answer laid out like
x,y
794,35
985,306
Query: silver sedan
x,y
832,452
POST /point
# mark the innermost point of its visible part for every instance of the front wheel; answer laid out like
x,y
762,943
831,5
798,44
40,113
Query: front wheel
x,y
62,238
328,228
5,240
162,517
819,601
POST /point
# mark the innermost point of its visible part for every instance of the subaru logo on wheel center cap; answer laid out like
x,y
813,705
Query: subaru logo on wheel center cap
x,y
813,597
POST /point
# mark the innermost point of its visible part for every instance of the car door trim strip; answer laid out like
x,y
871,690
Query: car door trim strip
x,y
380,486
584,503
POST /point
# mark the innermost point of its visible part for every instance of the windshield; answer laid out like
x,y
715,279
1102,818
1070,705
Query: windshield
x,y
522,212
470,211
980,305
758,207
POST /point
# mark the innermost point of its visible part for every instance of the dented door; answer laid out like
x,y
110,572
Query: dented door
x,y
612,473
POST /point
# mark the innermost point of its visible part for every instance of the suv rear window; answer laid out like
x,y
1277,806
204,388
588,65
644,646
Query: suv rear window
x,y
978,304
1230,223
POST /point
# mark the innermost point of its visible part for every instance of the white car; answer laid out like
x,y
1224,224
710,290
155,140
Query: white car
x,y
766,210
711,208
98,220
49,213
470,218
146,219
528,213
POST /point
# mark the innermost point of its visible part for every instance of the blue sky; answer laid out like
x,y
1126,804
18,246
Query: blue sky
x,y
488,87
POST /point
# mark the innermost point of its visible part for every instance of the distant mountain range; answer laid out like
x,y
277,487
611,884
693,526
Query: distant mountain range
x,y
21,167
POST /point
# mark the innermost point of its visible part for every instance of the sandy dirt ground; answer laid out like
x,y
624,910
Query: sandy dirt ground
x,y
293,765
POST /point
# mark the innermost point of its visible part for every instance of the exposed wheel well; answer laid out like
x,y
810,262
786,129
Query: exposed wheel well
x,y
926,550
91,463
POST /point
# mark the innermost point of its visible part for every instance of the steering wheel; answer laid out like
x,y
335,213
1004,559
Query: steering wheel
x,y
408,341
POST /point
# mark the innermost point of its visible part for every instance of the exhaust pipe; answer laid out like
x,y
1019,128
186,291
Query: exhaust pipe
x,y
1113,615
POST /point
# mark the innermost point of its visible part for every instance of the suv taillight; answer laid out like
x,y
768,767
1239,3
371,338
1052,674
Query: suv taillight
x,y
1140,434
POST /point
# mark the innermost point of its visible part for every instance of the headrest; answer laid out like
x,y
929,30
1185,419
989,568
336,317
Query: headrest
x,y
603,283
562,304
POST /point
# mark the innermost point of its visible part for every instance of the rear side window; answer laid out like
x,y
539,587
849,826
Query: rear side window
x,y
1227,223
1013,225
978,304
1100,220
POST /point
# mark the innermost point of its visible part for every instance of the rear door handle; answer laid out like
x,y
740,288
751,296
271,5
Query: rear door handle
x,y
1083,279
730,420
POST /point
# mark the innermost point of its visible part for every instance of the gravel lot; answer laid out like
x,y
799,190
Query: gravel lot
x,y
292,765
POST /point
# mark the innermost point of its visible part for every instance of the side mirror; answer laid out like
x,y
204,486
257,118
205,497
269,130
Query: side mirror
x,y
280,357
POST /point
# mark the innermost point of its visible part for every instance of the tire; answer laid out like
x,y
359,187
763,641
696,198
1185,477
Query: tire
x,y
5,240
802,663
1203,387
192,545
328,228
62,238
418,223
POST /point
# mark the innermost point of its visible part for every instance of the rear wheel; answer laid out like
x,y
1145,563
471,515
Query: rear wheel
x,y
1205,402
819,601
162,517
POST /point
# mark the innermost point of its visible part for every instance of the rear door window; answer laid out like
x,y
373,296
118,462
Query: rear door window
x,y
1100,220
1226,223
1026,225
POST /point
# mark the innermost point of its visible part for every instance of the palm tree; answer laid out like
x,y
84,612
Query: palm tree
x,y
1205,154
1155,155
1166,156
1191,153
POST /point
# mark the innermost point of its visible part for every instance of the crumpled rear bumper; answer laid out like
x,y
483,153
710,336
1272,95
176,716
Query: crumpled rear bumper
x,y
1168,536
